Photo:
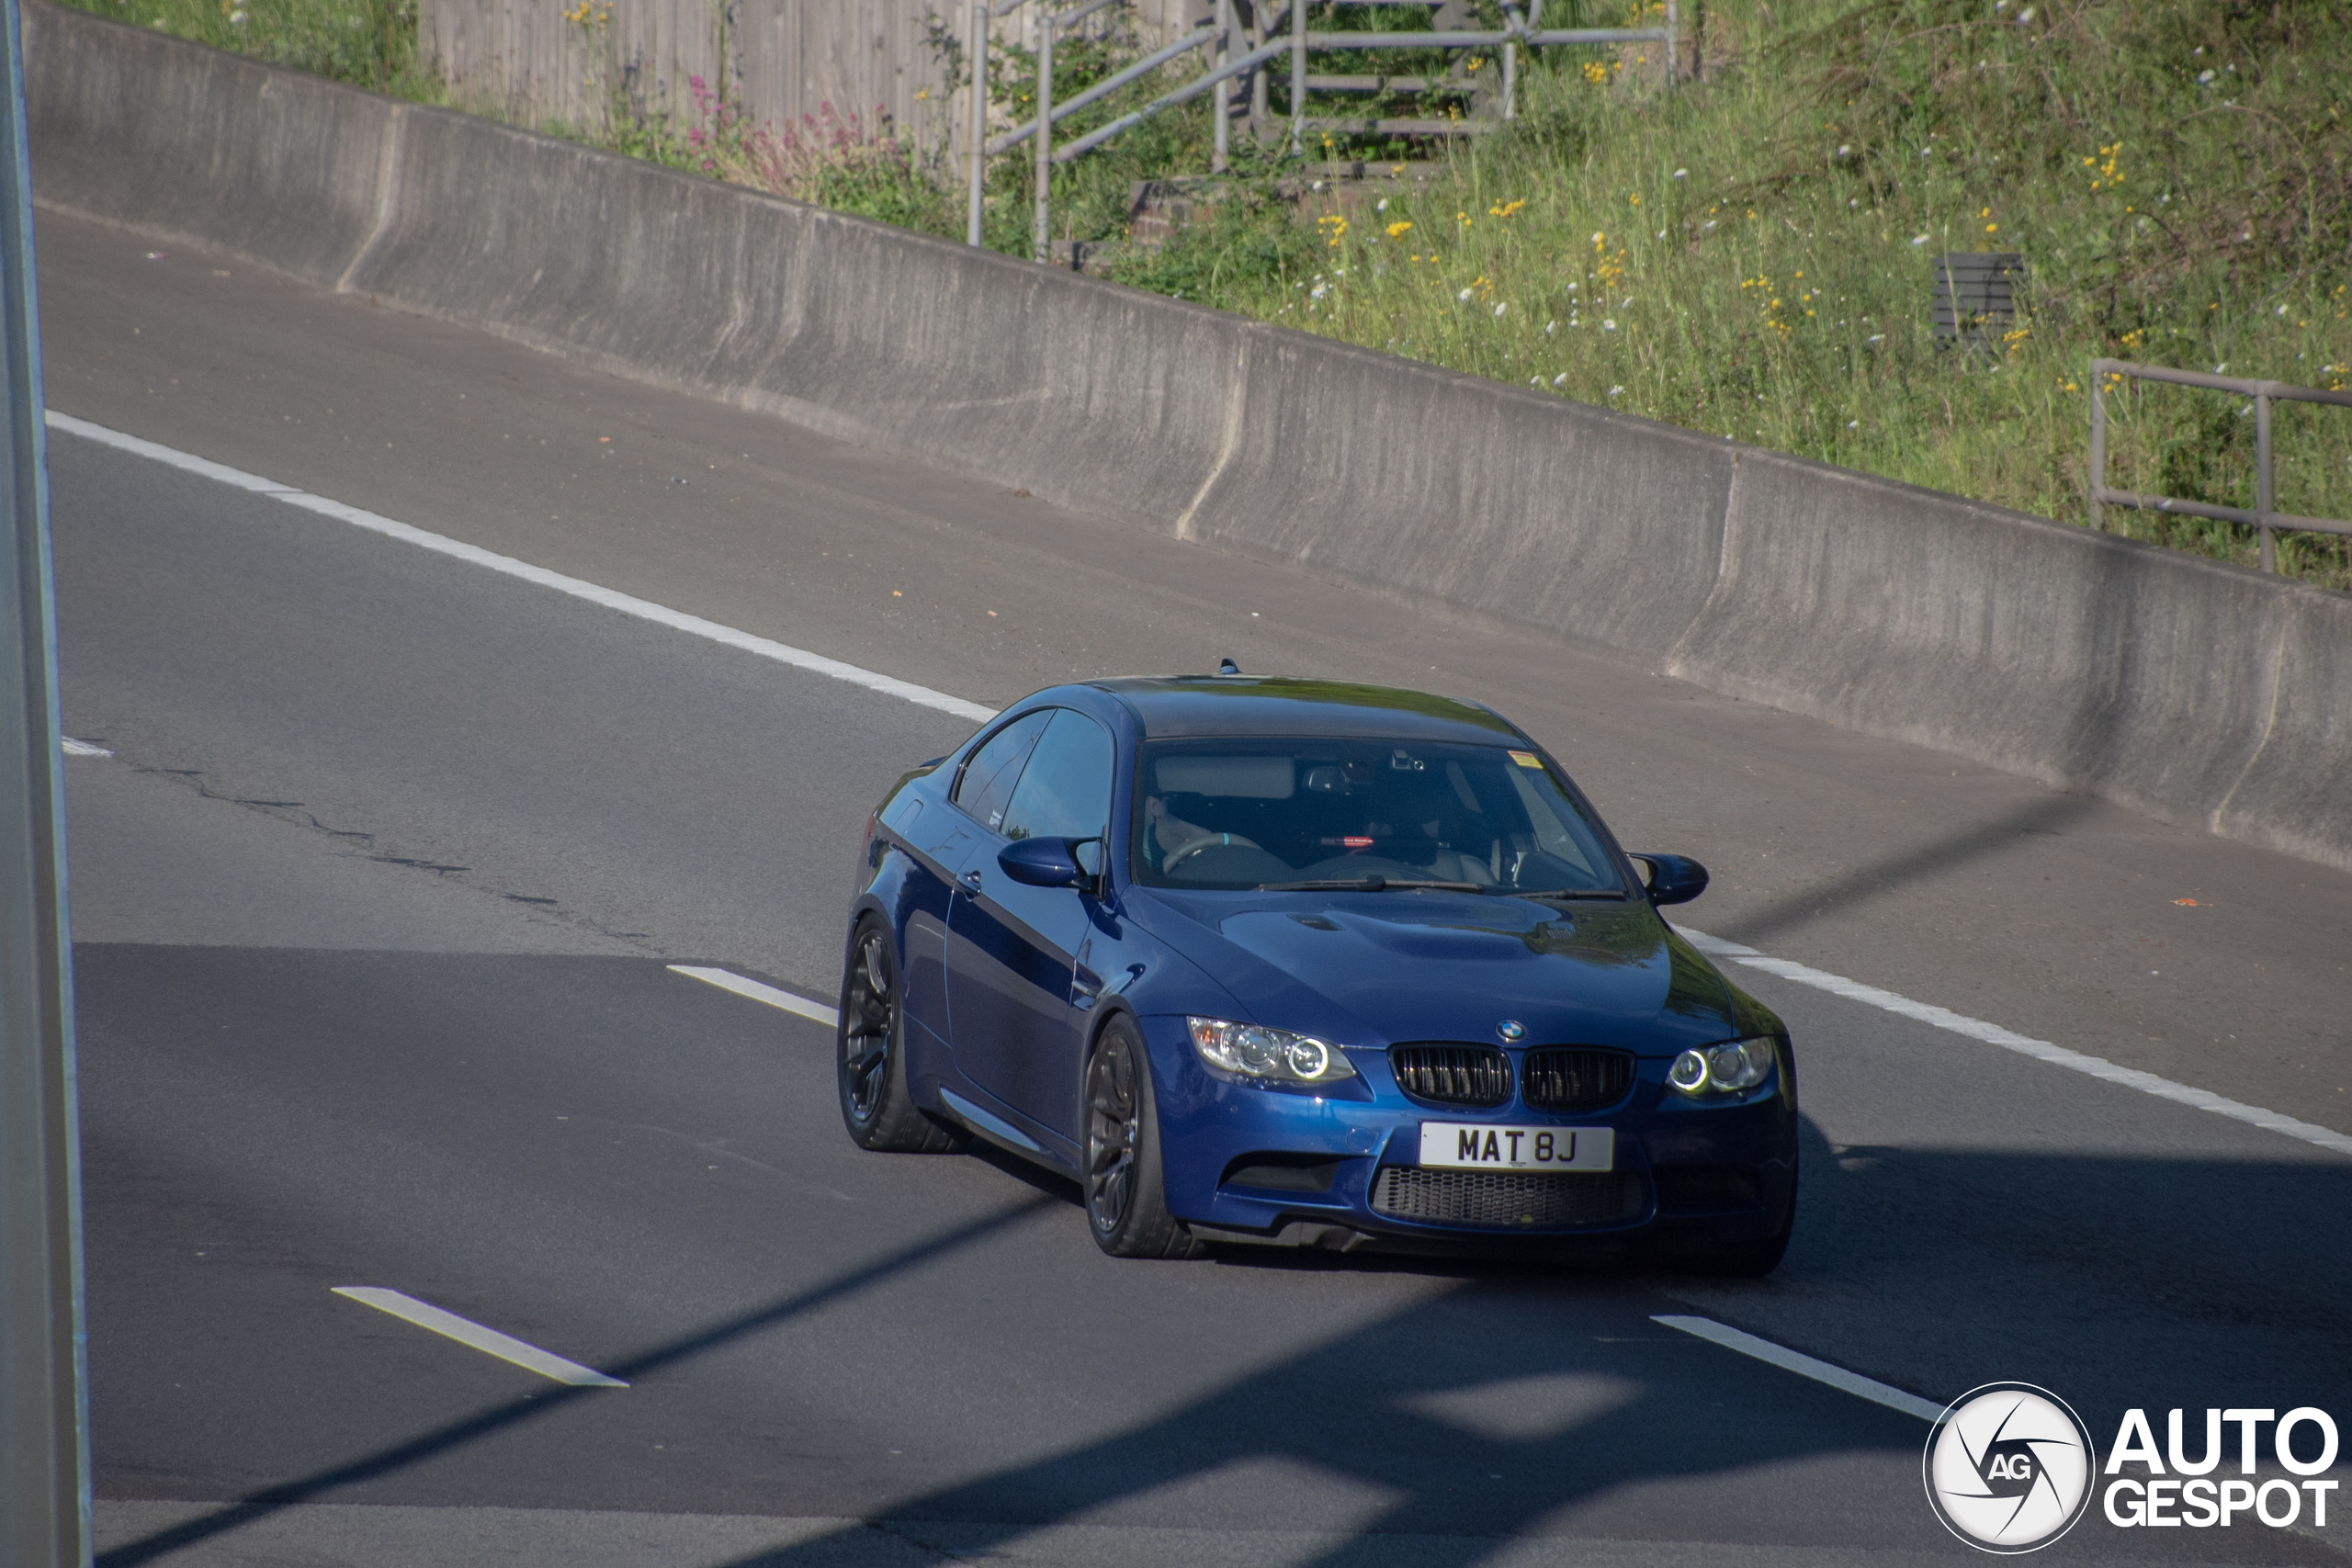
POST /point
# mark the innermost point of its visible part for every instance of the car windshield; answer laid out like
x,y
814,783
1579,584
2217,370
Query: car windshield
x,y
1267,813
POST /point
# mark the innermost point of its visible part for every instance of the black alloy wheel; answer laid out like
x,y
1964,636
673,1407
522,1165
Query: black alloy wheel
x,y
1126,1200
871,1040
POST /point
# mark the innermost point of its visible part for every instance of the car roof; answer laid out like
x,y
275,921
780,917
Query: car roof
x,y
1268,704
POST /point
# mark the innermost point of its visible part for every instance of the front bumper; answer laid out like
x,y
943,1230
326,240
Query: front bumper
x,y
1341,1168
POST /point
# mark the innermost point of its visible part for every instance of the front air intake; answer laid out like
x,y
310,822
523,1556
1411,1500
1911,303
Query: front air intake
x,y
1512,1198
1452,1074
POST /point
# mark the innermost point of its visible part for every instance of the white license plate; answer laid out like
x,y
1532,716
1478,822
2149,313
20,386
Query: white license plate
x,y
1484,1145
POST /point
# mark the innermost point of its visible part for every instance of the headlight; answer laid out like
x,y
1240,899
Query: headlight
x,y
1252,1051
1723,1069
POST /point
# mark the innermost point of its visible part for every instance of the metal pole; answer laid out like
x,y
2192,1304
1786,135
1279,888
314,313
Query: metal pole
x,y
1183,95
1673,47
1223,158
2098,442
1104,88
44,1411
1048,23
1533,20
1297,77
980,120
1534,38
1260,82
2263,497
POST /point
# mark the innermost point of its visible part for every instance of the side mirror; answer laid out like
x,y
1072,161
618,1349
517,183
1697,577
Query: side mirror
x,y
1042,863
1673,879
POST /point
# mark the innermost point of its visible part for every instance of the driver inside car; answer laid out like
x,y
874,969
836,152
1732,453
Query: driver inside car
x,y
1177,838
1172,834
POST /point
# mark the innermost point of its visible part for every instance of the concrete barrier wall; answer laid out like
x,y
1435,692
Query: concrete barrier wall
x,y
2192,689
288,165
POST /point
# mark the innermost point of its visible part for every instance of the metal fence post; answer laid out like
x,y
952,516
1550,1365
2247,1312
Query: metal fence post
x,y
1048,22
979,118
1297,77
2264,517
2261,492
2098,441
1529,24
1223,159
1673,46
1260,79
44,1447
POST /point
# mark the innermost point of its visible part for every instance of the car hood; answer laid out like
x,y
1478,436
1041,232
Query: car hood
x,y
1374,968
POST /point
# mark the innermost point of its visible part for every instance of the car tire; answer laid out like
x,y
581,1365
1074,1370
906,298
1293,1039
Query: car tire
x,y
1126,1195
870,1054
1743,1259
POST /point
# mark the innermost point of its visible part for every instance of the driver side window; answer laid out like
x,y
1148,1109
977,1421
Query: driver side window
x,y
1065,792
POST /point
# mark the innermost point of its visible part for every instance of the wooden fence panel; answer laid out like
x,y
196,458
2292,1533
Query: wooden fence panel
x,y
560,64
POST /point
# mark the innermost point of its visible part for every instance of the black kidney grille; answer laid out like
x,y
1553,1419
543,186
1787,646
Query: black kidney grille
x,y
1452,1074
1571,1079
1511,1198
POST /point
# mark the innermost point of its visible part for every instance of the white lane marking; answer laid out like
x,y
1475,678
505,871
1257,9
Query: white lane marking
x,y
2041,1050
506,1347
817,663
743,986
1805,1366
627,604
84,749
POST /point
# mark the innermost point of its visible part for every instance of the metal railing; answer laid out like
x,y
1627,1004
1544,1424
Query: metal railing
x,y
1519,29
2264,516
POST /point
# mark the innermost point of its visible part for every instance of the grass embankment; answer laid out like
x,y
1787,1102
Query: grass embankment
x,y
1750,255
368,43
1747,255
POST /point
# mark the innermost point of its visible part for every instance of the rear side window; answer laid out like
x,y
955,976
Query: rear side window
x,y
1065,792
988,779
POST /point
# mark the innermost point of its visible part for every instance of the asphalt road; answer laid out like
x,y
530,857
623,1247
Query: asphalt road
x,y
2050,914
374,900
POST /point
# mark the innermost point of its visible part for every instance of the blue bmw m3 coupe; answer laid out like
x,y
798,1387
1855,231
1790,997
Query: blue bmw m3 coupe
x,y
1307,964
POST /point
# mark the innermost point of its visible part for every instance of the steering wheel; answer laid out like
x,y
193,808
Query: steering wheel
x,y
1205,841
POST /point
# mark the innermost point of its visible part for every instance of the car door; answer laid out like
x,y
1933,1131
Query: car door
x,y
944,843
1012,949
939,843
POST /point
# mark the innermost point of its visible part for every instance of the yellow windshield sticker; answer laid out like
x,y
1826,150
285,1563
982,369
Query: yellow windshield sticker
x,y
1527,759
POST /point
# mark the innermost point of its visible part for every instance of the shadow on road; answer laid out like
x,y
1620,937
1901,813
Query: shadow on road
x,y
2046,816
1519,1394
513,1412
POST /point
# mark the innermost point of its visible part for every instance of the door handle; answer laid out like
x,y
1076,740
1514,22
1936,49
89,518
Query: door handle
x,y
972,880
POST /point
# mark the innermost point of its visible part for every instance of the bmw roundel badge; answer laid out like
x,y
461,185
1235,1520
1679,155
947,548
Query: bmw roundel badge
x,y
1512,1030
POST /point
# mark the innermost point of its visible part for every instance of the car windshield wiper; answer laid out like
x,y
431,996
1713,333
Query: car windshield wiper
x,y
1370,884
1613,894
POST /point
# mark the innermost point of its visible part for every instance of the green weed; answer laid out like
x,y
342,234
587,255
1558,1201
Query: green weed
x,y
367,43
